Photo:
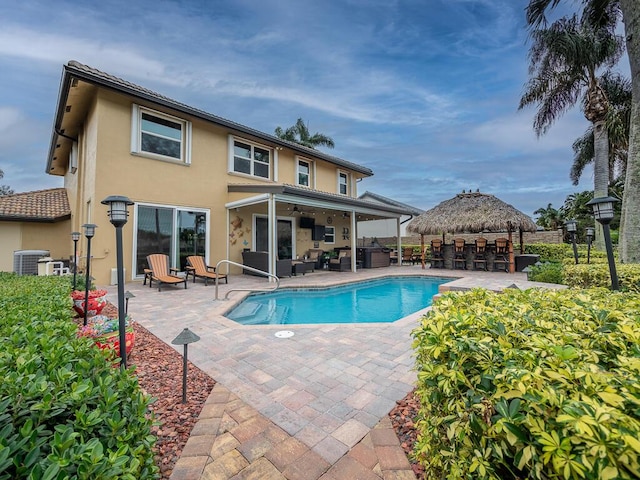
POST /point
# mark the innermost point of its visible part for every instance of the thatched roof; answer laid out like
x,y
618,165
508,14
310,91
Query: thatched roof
x,y
471,213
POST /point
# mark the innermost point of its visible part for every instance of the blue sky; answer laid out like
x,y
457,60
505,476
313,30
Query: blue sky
x,y
424,93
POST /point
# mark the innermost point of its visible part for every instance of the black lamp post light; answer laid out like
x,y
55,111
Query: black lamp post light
x,y
572,229
603,211
89,232
591,233
118,213
75,236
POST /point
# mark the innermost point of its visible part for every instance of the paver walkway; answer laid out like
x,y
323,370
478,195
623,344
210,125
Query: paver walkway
x,y
310,406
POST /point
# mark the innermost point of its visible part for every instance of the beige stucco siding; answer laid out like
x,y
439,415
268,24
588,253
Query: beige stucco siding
x,y
10,241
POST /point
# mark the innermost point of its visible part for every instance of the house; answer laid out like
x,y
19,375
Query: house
x,y
34,221
385,228
201,184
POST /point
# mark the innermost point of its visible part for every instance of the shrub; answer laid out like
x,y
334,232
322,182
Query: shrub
x,y
535,384
598,275
548,272
65,411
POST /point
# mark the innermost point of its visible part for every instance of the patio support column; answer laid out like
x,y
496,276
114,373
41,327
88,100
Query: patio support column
x,y
521,242
354,240
273,234
422,250
398,240
512,263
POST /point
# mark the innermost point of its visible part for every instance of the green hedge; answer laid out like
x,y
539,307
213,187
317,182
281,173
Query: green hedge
x,y
557,252
65,410
598,275
530,384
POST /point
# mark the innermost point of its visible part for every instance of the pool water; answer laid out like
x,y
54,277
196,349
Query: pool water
x,y
374,301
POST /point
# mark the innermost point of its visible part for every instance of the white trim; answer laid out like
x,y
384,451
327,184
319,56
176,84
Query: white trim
x,y
136,135
348,185
311,166
272,158
176,209
73,157
334,234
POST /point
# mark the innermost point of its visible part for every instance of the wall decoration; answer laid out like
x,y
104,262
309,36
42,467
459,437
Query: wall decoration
x,y
329,220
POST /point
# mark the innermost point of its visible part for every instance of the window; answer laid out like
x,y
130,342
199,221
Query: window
x,y
174,231
343,183
329,234
251,159
160,136
304,173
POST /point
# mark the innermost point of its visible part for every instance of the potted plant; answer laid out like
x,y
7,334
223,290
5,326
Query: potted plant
x,y
97,301
104,332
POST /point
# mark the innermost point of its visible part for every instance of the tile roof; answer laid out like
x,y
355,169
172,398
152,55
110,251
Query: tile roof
x,y
93,75
50,205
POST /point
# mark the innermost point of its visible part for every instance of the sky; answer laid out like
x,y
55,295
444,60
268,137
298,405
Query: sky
x,y
425,93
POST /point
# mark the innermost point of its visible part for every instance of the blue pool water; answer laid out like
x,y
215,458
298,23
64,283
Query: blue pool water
x,y
383,300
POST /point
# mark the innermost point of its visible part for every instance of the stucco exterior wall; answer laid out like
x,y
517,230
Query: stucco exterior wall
x,y
10,241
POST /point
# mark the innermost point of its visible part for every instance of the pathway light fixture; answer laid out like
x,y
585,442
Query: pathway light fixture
x,y
604,212
118,213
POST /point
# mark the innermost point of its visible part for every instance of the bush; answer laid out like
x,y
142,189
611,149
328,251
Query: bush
x,y
65,411
598,275
535,384
548,272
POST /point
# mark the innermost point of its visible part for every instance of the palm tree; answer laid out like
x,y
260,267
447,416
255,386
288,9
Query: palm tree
x,y
299,133
550,218
618,91
607,13
564,60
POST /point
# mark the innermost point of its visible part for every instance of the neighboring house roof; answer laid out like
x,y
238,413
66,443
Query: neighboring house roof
x,y
40,206
74,71
296,193
388,201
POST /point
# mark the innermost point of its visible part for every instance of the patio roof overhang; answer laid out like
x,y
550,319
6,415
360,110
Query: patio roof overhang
x,y
314,199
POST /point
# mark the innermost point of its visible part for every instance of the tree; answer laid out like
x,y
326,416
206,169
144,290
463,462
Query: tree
x,y
618,91
550,218
4,189
564,61
607,12
299,133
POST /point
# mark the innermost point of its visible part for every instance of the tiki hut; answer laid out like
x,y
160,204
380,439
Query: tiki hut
x,y
473,213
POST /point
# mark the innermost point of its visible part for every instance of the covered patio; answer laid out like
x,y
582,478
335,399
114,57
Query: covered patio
x,y
288,222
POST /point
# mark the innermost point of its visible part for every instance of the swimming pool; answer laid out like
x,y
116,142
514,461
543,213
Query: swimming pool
x,y
375,301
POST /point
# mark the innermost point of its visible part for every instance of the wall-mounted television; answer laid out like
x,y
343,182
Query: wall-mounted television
x,y
307,222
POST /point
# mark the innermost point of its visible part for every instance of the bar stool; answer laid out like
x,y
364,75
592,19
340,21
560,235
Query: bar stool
x,y
502,254
480,254
437,258
459,258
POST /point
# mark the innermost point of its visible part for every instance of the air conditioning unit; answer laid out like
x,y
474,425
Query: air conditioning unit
x,y
25,262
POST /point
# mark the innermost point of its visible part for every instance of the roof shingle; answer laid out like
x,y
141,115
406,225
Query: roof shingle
x,y
50,205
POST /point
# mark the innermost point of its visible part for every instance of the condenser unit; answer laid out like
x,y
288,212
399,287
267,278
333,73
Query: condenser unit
x,y
25,262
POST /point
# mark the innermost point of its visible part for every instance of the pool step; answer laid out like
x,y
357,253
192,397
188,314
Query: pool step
x,y
249,313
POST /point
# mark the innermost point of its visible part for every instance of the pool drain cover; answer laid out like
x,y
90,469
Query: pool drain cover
x,y
284,334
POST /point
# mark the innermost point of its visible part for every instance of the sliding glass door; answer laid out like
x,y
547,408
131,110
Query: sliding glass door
x,y
176,232
285,236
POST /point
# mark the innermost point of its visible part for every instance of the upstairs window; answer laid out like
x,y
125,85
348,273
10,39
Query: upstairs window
x,y
304,173
343,183
251,159
159,135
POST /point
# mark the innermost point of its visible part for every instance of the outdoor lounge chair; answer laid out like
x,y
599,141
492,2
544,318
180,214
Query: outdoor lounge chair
x,y
198,268
161,272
